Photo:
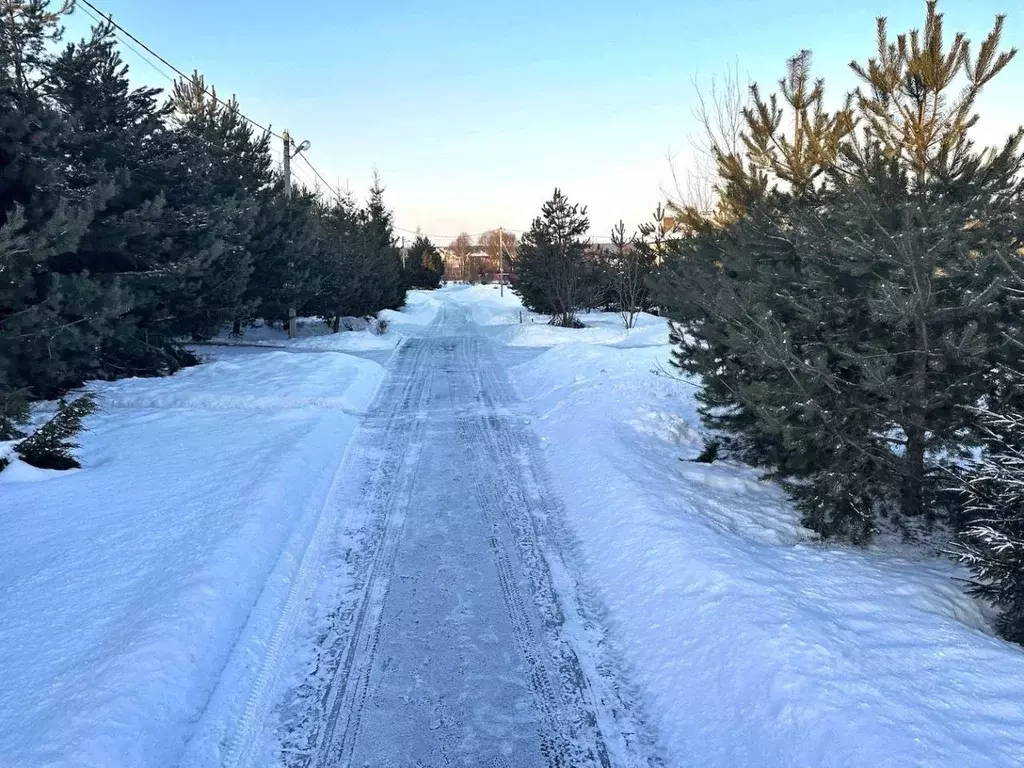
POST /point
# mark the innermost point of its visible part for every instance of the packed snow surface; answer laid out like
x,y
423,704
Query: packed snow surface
x,y
447,626
162,605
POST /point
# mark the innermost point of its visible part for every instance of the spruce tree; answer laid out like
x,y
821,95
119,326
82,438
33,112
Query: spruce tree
x,y
424,267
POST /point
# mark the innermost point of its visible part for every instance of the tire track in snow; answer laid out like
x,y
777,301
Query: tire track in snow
x,y
345,705
395,452
242,742
578,708
593,721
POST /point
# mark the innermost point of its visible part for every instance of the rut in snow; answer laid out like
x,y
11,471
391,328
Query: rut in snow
x,y
458,633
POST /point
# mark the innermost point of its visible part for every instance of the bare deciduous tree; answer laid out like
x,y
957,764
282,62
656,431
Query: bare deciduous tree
x,y
631,263
718,111
493,259
461,249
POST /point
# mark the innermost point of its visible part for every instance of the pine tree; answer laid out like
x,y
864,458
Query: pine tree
x,y
381,258
849,297
551,267
335,289
631,264
120,131
127,227
736,291
938,224
285,250
47,205
216,198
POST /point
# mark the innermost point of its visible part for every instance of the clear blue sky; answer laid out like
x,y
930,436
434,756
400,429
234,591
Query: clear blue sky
x,y
474,111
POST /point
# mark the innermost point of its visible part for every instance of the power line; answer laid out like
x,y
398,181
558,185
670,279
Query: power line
x,y
304,179
276,153
211,94
324,181
431,234
108,18
128,44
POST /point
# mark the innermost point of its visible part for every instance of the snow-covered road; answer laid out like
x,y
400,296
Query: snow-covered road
x,y
449,627
446,545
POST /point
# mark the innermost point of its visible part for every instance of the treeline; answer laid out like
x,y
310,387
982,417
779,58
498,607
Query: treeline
x,y
852,307
131,222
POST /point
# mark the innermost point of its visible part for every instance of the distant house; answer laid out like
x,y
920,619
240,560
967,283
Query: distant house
x,y
473,267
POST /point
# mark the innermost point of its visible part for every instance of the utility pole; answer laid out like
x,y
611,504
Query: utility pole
x,y
286,166
403,251
501,264
292,329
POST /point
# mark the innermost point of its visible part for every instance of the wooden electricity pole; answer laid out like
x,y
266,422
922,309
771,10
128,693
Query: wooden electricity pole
x,y
501,264
287,166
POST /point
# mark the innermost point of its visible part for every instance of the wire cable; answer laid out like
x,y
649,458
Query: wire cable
x,y
336,193
276,152
110,20
128,44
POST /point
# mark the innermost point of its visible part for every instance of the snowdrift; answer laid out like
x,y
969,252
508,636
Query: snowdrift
x,y
126,584
757,646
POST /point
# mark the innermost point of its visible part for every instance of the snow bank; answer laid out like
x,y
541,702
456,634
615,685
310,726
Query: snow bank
x,y
356,335
127,584
599,328
519,327
420,308
756,647
268,380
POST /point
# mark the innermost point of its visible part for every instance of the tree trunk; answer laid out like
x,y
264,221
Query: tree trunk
x,y
236,329
913,471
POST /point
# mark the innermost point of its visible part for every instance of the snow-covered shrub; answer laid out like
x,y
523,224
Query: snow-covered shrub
x,y
52,445
992,542
355,323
